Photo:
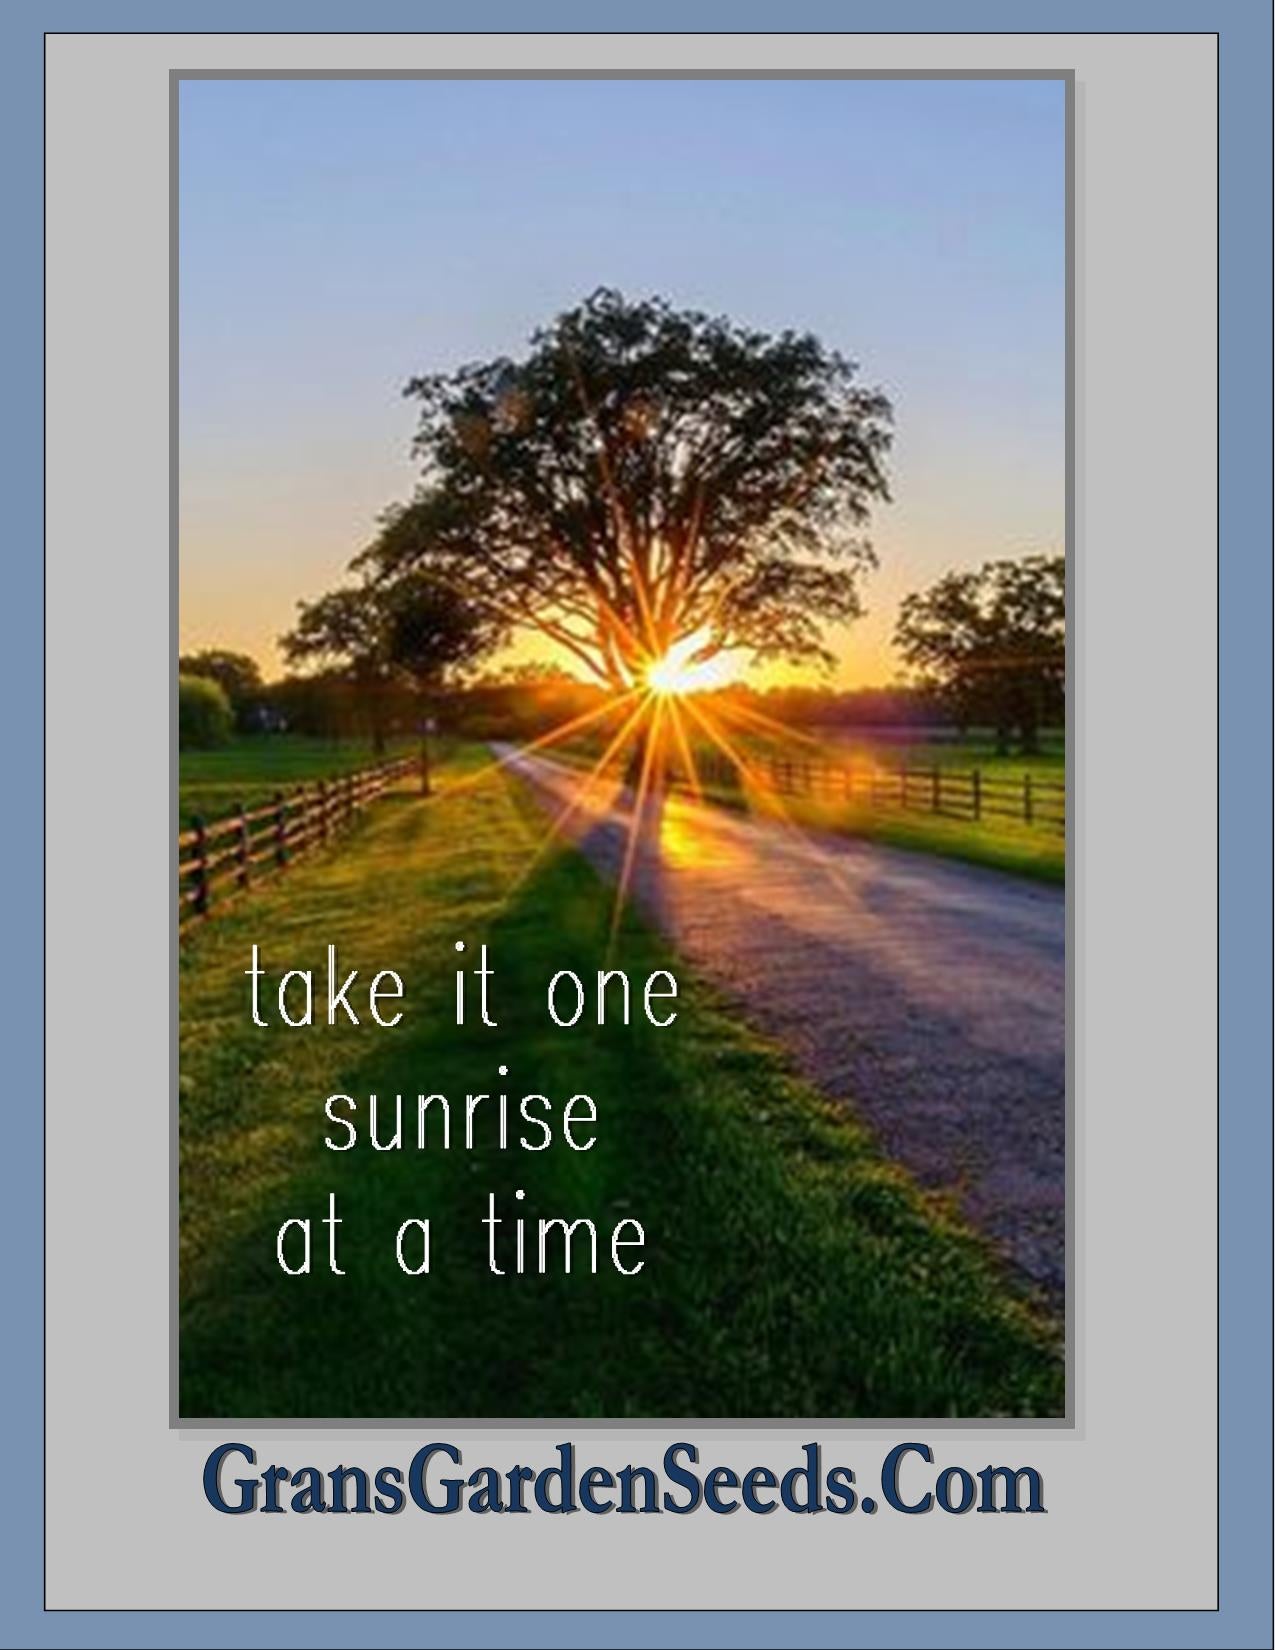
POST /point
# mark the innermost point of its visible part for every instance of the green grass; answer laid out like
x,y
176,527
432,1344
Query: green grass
x,y
999,843
251,769
790,1270
994,841
977,749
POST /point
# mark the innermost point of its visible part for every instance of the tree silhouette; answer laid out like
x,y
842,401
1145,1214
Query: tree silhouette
x,y
412,629
346,628
992,643
644,475
433,635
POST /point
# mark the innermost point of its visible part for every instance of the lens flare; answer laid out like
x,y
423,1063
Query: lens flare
x,y
684,669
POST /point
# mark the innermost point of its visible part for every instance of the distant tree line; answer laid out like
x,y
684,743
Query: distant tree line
x,y
990,645
222,694
986,648
524,701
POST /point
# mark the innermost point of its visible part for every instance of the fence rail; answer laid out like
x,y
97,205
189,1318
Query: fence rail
x,y
968,794
221,858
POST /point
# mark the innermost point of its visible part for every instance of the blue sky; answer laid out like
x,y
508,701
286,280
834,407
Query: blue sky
x,y
338,236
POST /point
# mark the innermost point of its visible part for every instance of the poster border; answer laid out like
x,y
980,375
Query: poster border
x,y
1244,771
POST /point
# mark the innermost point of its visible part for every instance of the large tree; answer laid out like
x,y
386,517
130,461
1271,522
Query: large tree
x,y
992,642
643,475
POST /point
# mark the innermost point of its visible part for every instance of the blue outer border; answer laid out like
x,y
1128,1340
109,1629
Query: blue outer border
x,y
1244,30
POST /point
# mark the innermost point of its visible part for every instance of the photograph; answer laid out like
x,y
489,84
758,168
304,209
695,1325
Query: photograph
x,y
620,725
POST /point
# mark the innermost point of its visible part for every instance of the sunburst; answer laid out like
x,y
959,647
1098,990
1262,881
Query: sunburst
x,y
667,711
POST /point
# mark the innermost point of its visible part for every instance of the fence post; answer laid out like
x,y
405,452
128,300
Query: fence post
x,y
936,790
242,843
323,810
280,829
976,786
202,889
1027,798
903,788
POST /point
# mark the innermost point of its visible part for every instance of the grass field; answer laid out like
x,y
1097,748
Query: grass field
x,y
998,843
977,749
790,1271
250,770
994,841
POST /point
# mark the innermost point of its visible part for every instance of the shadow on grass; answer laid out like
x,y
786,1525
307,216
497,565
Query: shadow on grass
x,y
788,1270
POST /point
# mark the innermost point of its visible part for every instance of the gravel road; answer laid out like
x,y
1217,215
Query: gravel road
x,y
928,995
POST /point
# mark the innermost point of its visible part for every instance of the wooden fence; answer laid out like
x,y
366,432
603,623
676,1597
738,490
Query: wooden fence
x,y
954,793
219,859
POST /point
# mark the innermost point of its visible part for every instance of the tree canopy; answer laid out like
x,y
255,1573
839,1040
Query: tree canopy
x,y
412,626
410,630
204,716
992,641
236,674
433,634
643,475
343,627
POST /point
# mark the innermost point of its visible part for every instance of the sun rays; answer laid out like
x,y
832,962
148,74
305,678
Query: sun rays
x,y
636,764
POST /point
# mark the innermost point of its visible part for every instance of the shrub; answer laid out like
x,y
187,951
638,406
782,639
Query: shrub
x,y
204,716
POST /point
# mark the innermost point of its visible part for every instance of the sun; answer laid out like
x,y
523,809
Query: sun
x,y
680,672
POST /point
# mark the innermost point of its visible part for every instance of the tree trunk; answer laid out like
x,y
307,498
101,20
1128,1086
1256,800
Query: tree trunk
x,y
368,706
1029,720
657,772
423,720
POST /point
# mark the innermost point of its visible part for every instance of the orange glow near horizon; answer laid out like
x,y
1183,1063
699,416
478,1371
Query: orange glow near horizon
x,y
866,657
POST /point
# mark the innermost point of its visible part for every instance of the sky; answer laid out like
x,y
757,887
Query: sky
x,y
337,237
